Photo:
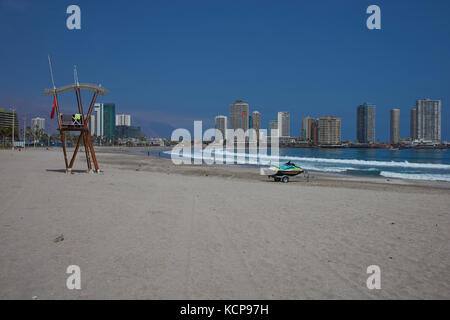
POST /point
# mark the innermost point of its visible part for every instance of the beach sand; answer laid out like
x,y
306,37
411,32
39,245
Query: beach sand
x,y
147,229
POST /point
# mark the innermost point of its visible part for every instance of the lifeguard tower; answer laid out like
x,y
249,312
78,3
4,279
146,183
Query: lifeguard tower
x,y
77,122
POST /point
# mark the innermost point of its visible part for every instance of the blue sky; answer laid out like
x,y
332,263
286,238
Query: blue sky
x,y
173,62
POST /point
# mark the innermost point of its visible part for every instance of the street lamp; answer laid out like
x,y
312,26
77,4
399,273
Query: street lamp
x,y
24,131
12,138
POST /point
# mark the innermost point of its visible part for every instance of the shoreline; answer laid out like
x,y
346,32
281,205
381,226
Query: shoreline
x,y
252,173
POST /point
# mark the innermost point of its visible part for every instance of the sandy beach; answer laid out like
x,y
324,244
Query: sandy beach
x,y
147,229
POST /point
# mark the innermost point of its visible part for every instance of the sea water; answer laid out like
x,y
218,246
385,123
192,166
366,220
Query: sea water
x,y
419,164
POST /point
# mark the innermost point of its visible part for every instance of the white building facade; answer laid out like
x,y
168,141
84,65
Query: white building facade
x,y
274,128
38,123
123,120
98,116
428,120
221,126
284,124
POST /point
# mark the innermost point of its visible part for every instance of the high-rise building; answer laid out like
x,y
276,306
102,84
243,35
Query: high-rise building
x,y
315,131
284,124
412,124
38,123
395,125
428,120
304,132
365,123
109,120
239,117
310,130
329,130
274,128
105,120
256,117
123,132
91,125
221,125
98,116
123,120
6,120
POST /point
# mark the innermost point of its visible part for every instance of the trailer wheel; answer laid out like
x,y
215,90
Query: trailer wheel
x,y
276,179
285,179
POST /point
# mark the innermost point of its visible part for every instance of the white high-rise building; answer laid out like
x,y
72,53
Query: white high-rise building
x,y
256,116
98,115
256,125
123,120
38,123
274,128
428,120
221,125
91,125
284,124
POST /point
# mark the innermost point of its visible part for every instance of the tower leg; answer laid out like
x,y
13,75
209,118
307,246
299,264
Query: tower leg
x,y
86,149
75,152
91,147
63,142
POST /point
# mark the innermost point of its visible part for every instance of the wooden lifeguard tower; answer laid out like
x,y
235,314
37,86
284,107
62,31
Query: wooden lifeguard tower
x,y
76,122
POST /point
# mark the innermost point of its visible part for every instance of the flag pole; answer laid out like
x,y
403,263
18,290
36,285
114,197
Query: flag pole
x,y
55,101
51,71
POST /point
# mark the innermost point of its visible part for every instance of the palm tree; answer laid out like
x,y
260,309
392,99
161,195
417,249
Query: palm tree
x,y
6,133
28,134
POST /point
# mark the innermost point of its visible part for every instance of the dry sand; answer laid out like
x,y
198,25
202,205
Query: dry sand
x,y
147,229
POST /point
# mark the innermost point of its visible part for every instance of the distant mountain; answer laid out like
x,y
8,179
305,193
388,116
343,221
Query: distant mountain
x,y
156,129
152,129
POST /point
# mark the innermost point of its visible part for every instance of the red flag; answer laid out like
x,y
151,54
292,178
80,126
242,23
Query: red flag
x,y
52,115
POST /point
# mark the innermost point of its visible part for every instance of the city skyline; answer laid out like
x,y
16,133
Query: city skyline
x,y
241,111
429,120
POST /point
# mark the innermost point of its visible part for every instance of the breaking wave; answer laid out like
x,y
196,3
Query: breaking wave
x,y
416,176
389,169
369,163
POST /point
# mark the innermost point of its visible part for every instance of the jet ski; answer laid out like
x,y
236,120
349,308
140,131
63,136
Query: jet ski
x,y
282,172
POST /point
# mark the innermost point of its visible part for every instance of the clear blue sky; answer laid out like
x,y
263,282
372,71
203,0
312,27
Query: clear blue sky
x,y
178,61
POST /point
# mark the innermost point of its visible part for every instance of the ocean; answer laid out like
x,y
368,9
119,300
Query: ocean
x,y
425,164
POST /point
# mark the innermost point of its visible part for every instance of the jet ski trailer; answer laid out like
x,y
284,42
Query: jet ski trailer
x,y
282,172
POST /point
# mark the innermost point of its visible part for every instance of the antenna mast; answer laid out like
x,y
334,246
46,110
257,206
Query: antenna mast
x,y
75,75
51,71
